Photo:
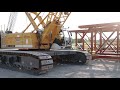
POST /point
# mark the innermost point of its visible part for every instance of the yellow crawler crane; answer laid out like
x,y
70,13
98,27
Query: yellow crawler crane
x,y
39,48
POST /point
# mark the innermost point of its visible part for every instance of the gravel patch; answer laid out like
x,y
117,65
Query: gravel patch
x,y
101,68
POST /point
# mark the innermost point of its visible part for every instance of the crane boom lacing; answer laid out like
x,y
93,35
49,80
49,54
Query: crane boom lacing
x,y
12,20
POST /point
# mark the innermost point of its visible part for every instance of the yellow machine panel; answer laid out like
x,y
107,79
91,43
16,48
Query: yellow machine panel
x,y
48,36
20,40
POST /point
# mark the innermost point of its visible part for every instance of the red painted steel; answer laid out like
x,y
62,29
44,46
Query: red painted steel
x,y
107,46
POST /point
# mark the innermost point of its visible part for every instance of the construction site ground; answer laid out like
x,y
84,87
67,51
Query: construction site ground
x,y
99,68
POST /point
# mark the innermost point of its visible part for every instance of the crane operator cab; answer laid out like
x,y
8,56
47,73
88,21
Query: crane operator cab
x,y
63,40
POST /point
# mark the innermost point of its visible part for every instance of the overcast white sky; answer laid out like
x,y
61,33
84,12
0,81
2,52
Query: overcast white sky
x,y
74,20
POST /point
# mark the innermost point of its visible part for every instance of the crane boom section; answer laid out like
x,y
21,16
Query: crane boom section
x,y
31,20
12,20
53,29
31,23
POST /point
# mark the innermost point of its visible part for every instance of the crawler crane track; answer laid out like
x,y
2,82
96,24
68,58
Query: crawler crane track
x,y
35,63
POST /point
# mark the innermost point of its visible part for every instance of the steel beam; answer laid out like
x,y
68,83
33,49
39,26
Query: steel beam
x,y
93,30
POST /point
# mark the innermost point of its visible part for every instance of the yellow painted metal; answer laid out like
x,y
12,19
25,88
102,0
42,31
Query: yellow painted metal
x,y
32,20
47,19
21,40
39,18
51,23
31,23
52,30
49,34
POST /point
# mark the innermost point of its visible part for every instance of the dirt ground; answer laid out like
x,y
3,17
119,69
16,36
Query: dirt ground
x,y
94,69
